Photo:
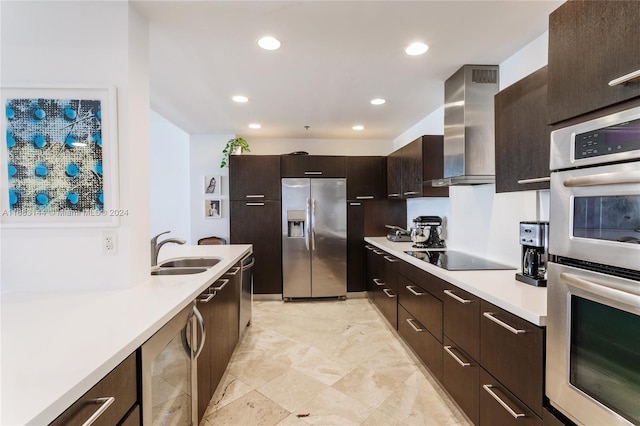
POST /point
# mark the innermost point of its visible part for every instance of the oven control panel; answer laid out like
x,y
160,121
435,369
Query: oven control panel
x,y
623,137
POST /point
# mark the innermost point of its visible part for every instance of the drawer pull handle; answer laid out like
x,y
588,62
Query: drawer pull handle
x,y
208,298
503,324
390,259
411,289
411,193
223,282
388,293
501,402
625,78
378,251
364,197
355,204
368,247
534,180
415,328
255,204
312,173
454,356
104,404
237,269
255,196
458,298
393,195
378,281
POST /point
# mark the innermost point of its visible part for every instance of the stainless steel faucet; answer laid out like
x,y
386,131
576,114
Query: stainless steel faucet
x,y
156,246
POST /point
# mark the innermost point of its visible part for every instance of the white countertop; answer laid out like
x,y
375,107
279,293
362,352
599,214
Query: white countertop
x,y
497,287
56,346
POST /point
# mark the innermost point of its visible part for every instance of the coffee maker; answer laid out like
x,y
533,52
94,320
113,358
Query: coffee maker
x,y
426,232
534,237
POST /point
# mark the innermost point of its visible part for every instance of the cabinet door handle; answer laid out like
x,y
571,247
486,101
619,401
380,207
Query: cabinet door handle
x,y
104,404
388,293
312,173
364,197
411,289
378,281
625,78
411,193
377,251
255,196
355,204
255,204
534,180
450,293
415,328
393,195
390,259
208,298
503,324
501,402
368,247
454,356
224,282
237,269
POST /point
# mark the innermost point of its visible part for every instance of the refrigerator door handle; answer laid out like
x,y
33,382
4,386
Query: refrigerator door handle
x,y
307,224
313,224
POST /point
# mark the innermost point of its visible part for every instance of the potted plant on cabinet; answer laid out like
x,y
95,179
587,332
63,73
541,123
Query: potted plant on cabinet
x,y
233,146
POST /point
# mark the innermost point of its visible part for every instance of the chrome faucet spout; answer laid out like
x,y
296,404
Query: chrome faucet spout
x,y
156,246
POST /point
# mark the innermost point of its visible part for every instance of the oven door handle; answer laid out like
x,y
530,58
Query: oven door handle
x,y
600,288
616,178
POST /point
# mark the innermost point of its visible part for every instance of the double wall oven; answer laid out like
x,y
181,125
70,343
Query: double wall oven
x,y
593,316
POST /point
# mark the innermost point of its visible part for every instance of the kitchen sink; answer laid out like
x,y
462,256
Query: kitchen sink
x,y
206,262
178,270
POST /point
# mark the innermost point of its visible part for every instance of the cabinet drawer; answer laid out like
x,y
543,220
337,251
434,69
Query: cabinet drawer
x,y
318,166
461,378
422,305
512,350
121,384
425,346
387,301
461,319
498,406
430,283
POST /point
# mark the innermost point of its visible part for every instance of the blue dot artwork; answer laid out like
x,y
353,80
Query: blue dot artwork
x,y
55,154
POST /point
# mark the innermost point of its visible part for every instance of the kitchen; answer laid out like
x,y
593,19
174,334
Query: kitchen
x,y
490,231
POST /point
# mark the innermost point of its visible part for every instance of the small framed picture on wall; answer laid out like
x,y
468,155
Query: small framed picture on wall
x,y
212,185
213,209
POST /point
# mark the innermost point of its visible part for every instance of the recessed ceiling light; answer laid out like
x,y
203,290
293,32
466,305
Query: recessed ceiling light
x,y
416,49
254,126
269,43
240,98
377,101
358,127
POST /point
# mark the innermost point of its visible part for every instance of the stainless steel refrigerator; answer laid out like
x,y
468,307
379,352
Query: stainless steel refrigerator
x,y
314,238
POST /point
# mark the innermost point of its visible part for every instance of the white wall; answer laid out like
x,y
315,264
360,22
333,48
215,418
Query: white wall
x,y
170,182
82,44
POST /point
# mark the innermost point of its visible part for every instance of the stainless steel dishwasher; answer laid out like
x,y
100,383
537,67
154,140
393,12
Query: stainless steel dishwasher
x,y
246,291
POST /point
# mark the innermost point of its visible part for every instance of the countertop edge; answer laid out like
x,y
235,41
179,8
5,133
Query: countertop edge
x,y
463,280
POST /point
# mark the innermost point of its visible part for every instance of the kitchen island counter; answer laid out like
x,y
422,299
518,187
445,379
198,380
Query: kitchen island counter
x,y
498,287
57,345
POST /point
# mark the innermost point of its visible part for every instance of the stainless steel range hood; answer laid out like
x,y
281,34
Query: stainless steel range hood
x,y
469,142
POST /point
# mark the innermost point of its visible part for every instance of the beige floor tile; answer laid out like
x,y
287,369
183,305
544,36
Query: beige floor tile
x,y
228,391
292,389
250,409
332,407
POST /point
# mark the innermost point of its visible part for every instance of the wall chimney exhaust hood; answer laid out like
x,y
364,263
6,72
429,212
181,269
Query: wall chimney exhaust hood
x,y
469,142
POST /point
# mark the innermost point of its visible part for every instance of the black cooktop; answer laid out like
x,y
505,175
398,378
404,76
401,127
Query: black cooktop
x,y
456,261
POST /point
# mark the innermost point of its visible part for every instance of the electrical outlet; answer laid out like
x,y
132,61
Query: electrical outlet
x,y
109,246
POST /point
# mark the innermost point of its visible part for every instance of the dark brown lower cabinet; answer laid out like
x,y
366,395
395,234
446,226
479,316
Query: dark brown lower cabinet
x,y
498,406
461,378
205,303
421,341
420,303
462,319
121,384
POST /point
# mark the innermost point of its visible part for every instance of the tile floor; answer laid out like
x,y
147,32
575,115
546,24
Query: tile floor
x,y
326,363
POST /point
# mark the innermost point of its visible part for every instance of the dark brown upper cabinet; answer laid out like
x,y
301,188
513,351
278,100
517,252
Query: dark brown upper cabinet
x,y
366,178
254,177
313,166
419,162
591,45
522,135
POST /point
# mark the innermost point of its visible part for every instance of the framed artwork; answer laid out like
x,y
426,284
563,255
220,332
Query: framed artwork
x,y
212,185
58,162
213,209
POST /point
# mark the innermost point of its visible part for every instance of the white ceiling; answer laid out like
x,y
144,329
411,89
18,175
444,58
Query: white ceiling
x,y
335,57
